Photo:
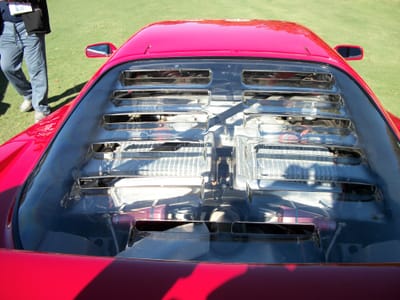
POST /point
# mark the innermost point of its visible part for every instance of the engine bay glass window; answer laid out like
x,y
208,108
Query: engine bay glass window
x,y
220,160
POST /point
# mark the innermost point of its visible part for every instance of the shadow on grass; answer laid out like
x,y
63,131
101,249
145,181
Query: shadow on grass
x,y
61,99
66,96
3,87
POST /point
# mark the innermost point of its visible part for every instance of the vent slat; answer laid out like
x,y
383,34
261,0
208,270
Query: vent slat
x,y
288,79
189,98
165,77
292,104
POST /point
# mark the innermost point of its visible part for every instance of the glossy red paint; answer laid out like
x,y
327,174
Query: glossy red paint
x,y
51,276
394,119
258,38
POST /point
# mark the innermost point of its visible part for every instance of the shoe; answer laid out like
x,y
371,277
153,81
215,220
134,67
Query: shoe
x,y
26,106
39,115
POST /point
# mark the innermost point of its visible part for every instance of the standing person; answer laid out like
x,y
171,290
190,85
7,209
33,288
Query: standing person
x,y
22,37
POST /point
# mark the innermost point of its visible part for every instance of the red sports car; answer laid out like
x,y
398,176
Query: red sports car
x,y
207,159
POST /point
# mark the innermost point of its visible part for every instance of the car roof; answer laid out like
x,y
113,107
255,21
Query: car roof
x,y
250,38
269,39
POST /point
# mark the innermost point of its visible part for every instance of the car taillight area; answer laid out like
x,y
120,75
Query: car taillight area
x,y
234,161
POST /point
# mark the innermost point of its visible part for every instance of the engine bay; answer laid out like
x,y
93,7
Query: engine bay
x,y
232,162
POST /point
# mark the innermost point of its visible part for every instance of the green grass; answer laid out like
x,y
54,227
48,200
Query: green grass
x,y
373,24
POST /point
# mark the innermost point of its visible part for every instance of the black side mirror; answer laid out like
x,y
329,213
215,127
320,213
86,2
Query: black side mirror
x,y
350,52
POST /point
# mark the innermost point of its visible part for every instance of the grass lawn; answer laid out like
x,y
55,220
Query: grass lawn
x,y
375,25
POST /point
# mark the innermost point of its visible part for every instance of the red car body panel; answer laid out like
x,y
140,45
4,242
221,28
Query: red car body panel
x,y
50,276
44,276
